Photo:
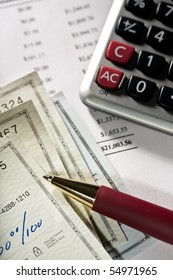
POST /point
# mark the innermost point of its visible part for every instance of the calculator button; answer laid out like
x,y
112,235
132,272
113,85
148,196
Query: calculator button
x,y
151,64
141,8
170,71
164,13
160,39
130,29
109,78
166,98
140,88
119,52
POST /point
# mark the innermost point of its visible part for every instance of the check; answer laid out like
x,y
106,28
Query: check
x,y
25,122
33,224
30,88
111,233
104,174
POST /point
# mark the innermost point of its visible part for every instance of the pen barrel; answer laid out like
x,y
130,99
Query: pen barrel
x,y
141,215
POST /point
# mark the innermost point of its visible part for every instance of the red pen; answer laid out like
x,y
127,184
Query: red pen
x,y
139,214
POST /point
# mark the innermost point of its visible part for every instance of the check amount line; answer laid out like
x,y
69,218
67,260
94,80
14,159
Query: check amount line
x,y
23,231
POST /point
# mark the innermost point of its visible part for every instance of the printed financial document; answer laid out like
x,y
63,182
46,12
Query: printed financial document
x,y
57,39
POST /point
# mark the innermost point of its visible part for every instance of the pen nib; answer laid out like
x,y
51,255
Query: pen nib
x,y
48,178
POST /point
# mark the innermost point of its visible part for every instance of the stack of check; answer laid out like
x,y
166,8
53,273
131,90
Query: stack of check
x,y
39,136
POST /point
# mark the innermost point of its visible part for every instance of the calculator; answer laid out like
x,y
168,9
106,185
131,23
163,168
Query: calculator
x,y
131,71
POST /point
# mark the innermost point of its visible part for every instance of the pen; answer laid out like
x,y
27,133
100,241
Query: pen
x,y
139,214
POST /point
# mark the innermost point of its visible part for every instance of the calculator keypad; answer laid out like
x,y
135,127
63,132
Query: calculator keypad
x,y
135,73
151,64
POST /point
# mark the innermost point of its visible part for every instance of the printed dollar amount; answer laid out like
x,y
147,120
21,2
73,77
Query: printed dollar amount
x,y
114,146
114,131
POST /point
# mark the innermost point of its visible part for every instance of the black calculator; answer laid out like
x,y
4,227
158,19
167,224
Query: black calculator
x,y
131,71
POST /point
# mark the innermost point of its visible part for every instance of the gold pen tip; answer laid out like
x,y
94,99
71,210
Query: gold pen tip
x,y
81,191
48,178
